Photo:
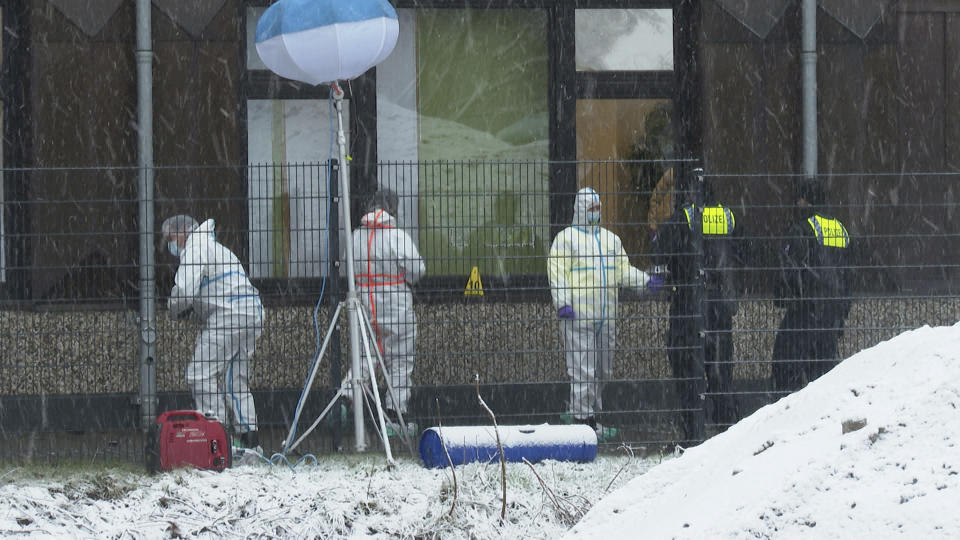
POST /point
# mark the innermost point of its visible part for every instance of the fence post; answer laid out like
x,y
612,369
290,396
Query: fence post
x,y
699,372
148,298
333,274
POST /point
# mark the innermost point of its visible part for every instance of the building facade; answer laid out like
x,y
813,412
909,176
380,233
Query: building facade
x,y
513,81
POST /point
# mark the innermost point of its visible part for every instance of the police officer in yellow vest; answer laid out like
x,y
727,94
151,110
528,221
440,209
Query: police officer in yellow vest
x,y
814,289
723,253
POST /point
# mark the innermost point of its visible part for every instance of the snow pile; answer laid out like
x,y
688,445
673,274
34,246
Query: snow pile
x,y
867,451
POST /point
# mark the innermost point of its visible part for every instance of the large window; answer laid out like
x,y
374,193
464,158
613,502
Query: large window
x,y
465,94
467,119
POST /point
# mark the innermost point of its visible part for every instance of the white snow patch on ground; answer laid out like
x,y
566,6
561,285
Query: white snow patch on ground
x,y
344,496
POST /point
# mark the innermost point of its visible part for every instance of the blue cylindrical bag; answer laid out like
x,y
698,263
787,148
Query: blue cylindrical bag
x,y
467,444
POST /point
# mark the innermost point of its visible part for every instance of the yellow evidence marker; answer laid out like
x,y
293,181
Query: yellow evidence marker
x,y
474,286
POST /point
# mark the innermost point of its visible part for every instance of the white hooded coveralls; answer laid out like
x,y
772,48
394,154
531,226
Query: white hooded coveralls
x,y
586,267
211,280
387,263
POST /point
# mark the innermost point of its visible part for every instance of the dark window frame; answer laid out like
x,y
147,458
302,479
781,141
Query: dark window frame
x,y
15,89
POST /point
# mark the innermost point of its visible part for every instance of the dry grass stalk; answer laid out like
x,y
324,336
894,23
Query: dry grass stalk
x,y
568,516
449,460
503,459
612,480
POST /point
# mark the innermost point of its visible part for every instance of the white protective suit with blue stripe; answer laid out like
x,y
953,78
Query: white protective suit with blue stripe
x,y
212,281
587,265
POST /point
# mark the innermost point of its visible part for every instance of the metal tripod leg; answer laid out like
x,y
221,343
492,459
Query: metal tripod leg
x,y
313,373
386,377
340,393
373,383
345,390
346,387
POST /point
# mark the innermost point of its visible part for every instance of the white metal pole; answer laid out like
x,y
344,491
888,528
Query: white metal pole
x,y
353,317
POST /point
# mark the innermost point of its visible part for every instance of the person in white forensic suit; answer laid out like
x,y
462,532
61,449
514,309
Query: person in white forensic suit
x,y
387,263
212,286
586,267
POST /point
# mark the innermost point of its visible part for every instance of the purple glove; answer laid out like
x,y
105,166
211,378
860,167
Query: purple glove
x,y
566,312
655,283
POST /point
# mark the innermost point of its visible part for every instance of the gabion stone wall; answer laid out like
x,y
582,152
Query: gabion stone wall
x,y
96,352
73,352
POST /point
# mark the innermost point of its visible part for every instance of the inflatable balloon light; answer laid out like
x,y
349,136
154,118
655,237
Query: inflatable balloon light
x,y
322,41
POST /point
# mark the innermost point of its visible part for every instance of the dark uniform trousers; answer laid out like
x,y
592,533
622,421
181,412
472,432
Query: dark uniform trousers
x,y
815,291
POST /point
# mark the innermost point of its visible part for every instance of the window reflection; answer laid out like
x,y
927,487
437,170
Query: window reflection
x,y
624,40
287,198
465,93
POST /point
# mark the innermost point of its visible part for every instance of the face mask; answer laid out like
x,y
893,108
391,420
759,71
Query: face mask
x,y
174,248
593,218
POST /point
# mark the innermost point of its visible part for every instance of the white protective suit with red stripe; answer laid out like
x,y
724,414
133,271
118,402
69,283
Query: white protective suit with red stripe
x,y
211,280
387,263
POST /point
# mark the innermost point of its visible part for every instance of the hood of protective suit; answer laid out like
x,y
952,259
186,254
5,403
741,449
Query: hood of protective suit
x,y
378,218
205,228
586,198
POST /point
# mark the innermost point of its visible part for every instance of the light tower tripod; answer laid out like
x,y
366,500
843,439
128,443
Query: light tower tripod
x,y
361,333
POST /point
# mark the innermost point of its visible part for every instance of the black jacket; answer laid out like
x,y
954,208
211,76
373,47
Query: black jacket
x,y
723,254
815,268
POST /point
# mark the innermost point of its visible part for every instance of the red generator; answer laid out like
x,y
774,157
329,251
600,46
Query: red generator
x,y
187,439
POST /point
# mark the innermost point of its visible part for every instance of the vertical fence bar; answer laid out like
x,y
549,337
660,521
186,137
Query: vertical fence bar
x,y
699,371
333,275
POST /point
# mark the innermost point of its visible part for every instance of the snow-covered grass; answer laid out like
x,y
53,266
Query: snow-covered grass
x,y
343,496
867,451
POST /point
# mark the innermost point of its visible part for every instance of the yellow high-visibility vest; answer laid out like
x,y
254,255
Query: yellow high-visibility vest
x,y
830,232
715,220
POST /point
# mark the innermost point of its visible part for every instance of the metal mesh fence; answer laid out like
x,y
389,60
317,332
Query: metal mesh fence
x,y
754,301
